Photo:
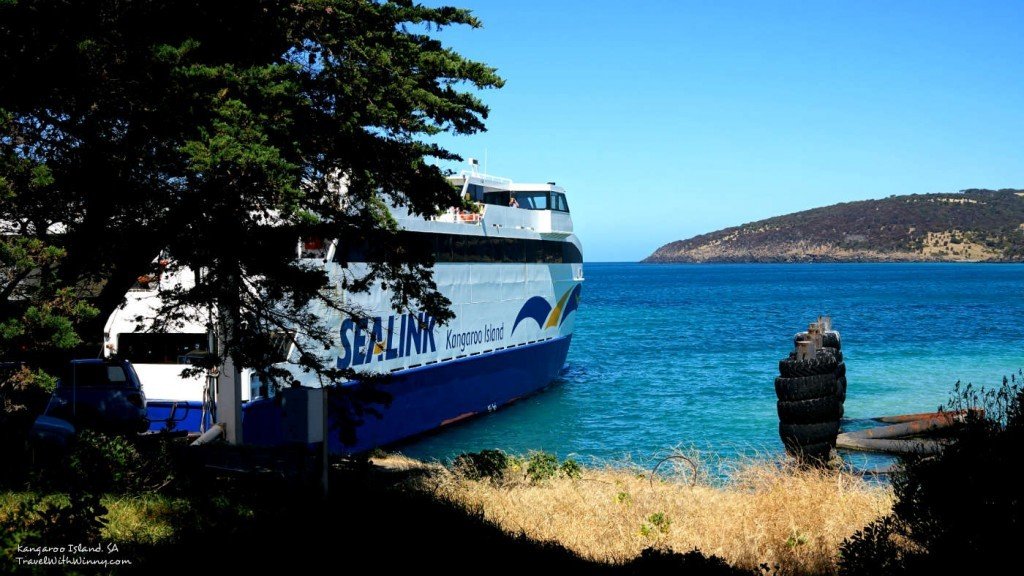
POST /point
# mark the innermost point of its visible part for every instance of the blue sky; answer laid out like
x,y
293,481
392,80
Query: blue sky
x,y
668,119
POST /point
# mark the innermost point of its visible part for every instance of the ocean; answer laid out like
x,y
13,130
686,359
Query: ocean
x,y
671,356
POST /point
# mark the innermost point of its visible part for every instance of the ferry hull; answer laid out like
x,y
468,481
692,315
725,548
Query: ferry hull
x,y
173,415
428,398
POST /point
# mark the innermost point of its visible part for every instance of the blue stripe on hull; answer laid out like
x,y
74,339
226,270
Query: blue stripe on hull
x,y
427,398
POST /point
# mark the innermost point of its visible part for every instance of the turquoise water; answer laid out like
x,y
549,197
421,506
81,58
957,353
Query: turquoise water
x,y
686,355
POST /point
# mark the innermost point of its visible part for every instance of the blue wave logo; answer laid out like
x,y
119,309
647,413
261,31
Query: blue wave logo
x,y
546,315
536,308
572,304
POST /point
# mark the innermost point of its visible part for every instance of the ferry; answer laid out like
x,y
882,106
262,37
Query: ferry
x,y
512,269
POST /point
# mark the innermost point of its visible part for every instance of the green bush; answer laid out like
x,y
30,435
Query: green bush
x,y
496,465
104,464
961,511
879,548
541,466
489,464
23,395
50,522
660,521
571,469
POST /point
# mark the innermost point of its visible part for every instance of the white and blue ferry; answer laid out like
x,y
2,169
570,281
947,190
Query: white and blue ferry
x,y
513,271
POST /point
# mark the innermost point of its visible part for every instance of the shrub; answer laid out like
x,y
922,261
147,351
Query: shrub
x,y
51,522
489,464
879,548
960,511
659,522
23,395
496,465
541,466
657,561
104,463
571,469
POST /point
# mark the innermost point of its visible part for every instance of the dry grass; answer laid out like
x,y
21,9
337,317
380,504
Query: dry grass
x,y
940,245
770,512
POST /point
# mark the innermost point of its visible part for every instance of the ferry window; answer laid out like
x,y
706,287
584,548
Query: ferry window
x,y
482,250
469,248
478,249
533,200
552,252
281,341
488,250
442,247
530,251
476,192
497,198
351,251
558,202
513,251
462,248
142,348
570,253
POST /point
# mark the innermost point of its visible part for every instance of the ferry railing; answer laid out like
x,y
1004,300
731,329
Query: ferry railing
x,y
544,221
481,177
460,216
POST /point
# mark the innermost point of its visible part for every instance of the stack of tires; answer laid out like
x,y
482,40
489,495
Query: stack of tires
x,y
811,393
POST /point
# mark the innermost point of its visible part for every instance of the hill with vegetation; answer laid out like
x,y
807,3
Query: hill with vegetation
x,y
972,225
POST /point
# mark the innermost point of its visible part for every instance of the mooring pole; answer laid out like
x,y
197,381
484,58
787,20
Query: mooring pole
x,y
325,453
229,401
805,350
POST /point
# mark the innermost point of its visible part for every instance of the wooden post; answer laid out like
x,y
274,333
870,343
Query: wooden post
x,y
324,447
805,350
814,332
825,323
229,401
